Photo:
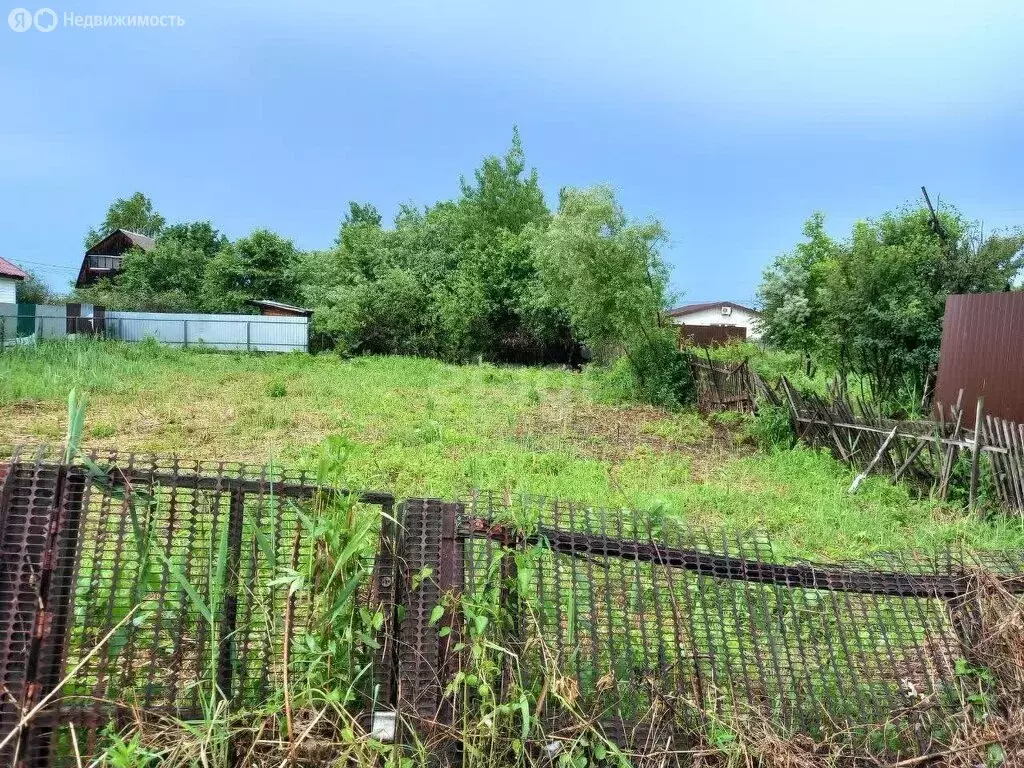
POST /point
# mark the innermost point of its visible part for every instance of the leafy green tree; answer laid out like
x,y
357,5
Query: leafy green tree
x,y
887,292
466,265
338,283
873,305
499,213
259,266
389,315
792,314
607,274
134,213
168,278
503,195
31,290
359,213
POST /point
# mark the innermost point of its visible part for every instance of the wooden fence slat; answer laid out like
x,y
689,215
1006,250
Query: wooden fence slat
x,y
1015,439
991,435
1011,465
979,440
871,465
928,451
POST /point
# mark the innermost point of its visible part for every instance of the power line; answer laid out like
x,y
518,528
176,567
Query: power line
x,y
43,264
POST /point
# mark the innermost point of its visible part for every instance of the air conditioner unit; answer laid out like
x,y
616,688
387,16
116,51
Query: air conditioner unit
x,y
726,311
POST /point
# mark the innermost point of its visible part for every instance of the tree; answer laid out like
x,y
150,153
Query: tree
x,y
168,278
389,315
465,265
873,305
790,295
359,213
133,213
259,266
31,290
607,274
887,292
500,212
503,195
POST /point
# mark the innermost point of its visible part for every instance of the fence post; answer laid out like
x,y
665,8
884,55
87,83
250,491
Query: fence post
x,y
431,554
976,453
248,335
450,574
226,654
385,597
184,332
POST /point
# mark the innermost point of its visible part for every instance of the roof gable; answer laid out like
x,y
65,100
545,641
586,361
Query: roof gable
x,y
124,238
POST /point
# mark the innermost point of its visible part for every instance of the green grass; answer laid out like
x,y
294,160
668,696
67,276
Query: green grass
x,y
772,364
421,427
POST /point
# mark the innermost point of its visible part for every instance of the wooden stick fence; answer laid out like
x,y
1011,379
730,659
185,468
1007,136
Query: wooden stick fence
x,y
724,386
926,452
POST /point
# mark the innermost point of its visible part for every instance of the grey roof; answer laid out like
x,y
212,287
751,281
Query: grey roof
x,y
144,242
687,309
279,305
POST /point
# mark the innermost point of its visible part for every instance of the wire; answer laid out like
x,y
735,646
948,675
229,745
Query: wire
x,y
43,264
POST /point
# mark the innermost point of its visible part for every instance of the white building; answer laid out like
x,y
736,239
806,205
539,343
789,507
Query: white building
x,y
10,276
718,313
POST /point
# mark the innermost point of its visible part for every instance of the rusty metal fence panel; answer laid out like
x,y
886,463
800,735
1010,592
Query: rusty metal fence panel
x,y
637,622
28,505
168,567
649,625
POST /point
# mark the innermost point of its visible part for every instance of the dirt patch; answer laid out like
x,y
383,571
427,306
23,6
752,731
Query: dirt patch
x,y
619,433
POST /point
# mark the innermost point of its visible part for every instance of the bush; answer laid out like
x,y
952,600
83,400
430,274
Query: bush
x,y
655,373
771,427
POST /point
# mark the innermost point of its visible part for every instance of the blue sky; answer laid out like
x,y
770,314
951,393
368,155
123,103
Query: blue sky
x,y
730,122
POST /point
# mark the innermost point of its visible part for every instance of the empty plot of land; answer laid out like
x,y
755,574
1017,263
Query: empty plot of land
x,y
420,427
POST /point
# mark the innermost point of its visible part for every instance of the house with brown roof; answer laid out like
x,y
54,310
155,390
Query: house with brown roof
x,y
104,259
10,276
719,314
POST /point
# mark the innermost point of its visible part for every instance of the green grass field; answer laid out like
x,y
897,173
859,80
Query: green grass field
x,y
421,427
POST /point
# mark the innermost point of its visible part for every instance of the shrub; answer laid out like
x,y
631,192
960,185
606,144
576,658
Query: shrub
x,y
771,428
657,374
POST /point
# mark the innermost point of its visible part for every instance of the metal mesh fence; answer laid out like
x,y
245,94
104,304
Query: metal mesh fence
x,y
155,586
654,624
155,582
